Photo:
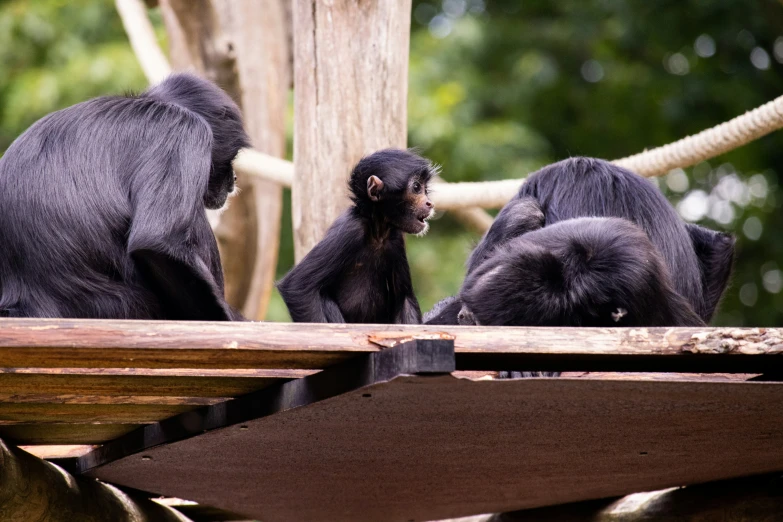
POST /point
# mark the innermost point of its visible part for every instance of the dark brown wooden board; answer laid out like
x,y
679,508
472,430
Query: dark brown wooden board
x,y
433,447
39,434
21,413
69,343
45,384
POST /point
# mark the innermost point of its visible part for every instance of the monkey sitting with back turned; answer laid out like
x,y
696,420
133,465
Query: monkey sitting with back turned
x,y
359,272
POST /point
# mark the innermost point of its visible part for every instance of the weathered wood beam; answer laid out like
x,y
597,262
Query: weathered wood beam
x,y
31,384
70,343
58,451
36,434
350,99
91,412
32,489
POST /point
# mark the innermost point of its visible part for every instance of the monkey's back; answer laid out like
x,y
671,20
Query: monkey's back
x,y
66,209
589,187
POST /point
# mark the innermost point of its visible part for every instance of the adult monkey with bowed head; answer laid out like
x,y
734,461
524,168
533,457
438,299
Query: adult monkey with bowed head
x,y
359,272
102,206
576,272
698,261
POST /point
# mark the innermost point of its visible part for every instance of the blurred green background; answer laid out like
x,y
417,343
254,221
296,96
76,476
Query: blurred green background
x,y
499,88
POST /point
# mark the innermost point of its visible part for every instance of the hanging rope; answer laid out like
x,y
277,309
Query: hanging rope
x,y
709,143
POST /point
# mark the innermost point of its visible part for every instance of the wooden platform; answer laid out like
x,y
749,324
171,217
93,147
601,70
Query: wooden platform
x,y
88,382
396,446
240,416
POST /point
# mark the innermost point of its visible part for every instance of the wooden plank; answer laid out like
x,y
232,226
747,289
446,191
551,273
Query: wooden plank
x,y
53,400
427,448
22,413
413,357
148,344
29,383
61,451
668,376
48,434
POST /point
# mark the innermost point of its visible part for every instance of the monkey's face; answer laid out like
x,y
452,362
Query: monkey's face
x,y
417,208
222,182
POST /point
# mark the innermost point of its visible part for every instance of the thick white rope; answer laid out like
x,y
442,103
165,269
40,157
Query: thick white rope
x,y
709,143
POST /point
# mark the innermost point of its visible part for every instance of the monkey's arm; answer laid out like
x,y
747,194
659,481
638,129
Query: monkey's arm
x,y
410,312
305,289
402,288
520,216
167,182
715,251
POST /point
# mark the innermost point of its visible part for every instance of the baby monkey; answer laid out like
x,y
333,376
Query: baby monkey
x,y
359,272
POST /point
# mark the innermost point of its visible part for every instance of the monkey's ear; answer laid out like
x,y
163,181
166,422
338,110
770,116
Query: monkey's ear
x,y
374,187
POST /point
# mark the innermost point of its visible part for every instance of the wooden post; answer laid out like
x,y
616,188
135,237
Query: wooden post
x,y
244,48
350,99
32,489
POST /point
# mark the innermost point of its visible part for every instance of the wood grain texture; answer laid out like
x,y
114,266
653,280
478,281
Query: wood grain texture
x,y
58,451
351,77
427,448
87,413
33,383
47,434
67,343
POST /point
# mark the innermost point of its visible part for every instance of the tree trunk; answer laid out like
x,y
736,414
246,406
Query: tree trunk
x,y
244,48
350,97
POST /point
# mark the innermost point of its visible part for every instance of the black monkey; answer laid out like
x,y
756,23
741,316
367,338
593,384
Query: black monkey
x,y
102,206
519,216
359,272
698,259
577,272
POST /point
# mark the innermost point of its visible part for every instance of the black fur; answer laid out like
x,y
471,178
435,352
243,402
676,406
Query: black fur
x,y
102,206
359,272
444,312
578,272
715,251
698,259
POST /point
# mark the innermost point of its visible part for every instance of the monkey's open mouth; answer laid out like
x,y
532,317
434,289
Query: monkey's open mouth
x,y
424,217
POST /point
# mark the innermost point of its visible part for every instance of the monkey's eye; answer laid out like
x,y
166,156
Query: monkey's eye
x,y
416,187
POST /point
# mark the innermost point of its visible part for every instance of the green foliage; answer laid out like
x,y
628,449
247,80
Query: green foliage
x,y
56,53
499,88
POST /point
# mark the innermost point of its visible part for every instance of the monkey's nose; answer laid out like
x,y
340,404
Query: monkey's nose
x,y
428,204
